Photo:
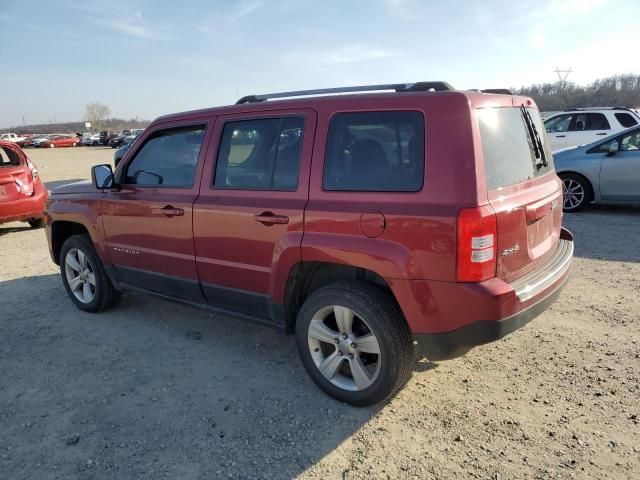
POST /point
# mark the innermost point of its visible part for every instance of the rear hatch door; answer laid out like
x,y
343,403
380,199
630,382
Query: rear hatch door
x,y
522,188
15,176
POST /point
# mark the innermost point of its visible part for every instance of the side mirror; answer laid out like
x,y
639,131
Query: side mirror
x,y
102,176
614,147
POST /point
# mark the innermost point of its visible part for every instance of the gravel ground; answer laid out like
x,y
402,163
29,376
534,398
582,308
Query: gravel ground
x,y
153,389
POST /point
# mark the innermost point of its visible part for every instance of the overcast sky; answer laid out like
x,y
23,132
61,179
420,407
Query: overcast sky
x,y
145,58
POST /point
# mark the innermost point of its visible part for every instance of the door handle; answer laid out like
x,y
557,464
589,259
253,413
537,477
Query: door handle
x,y
600,133
269,218
560,136
169,211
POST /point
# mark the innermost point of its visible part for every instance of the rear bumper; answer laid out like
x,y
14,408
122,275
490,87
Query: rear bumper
x,y
445,346
24,208
483,313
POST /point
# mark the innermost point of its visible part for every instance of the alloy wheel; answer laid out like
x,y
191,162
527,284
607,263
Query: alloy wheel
x,y
344,348
80,275
572,193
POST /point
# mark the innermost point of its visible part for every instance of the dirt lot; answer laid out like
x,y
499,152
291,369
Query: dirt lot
x,y
153,389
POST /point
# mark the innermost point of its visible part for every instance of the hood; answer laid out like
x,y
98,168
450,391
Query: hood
x,y
567,149
85,186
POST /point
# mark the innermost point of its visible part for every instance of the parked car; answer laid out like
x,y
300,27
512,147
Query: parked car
x,y
606,171
25,141
22,194
126,145
105,136
37,140
60,141
582,126
11,137
408,233
118,141
91,140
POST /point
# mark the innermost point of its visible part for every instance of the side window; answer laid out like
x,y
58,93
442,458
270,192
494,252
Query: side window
x,y
626,120
558,124
590,121
630,142
260,154
375,151
597,121
168,158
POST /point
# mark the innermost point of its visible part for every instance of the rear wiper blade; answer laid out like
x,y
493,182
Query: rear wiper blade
x,y
536,140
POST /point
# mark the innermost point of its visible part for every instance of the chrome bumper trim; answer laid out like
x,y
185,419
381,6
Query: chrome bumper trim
x,y
533,283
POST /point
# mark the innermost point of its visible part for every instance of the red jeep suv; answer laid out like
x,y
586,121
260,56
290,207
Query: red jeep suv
x,y
376,226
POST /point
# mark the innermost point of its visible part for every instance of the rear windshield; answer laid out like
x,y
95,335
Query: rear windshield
x,y
9,158
509,156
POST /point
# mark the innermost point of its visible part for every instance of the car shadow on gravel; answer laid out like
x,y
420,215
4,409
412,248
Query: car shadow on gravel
x,y
7,230
153,388
597,232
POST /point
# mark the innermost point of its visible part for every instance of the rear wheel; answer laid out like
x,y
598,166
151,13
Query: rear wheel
x,y
576,192
75,144
354,342
84,277
52,145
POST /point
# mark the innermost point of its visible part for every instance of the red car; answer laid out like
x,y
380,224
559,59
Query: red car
x,y
373,225
61,141
22,194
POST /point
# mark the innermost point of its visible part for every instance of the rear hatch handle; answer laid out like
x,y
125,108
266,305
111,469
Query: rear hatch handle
x,y
538,210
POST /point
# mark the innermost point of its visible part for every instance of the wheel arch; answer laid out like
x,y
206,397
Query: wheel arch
x,y
306,277
61,230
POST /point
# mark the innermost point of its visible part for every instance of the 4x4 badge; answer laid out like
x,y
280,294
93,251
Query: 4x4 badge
x,y
509,251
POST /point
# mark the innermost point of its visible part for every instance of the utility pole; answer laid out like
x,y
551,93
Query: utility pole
x,y
563,74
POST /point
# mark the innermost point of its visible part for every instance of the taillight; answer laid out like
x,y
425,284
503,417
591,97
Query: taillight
x,y
34,170
477,238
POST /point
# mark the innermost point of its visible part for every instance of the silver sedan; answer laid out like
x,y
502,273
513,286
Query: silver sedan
x,y
606,171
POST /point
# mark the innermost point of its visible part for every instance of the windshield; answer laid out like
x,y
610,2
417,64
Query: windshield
x,y
515,146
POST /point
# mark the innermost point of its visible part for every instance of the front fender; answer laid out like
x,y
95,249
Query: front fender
x,y
83,211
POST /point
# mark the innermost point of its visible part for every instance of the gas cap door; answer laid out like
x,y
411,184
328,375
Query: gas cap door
x,y
372,223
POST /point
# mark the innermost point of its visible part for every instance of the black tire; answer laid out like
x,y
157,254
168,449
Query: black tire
x,y
571,204
383,318
105,295
36,222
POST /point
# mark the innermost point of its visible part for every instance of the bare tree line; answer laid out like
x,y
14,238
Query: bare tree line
x,y
618,90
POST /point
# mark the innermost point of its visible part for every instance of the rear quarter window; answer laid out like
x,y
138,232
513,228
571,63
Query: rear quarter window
x,y
375,152
508,153
626,120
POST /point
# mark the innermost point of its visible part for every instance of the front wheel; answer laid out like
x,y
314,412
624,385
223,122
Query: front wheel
x,y
576,192
84,277
354,342
52,145
74,144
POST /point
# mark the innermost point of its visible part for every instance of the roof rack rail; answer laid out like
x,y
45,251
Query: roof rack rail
x,y
398,87
497,91
577,109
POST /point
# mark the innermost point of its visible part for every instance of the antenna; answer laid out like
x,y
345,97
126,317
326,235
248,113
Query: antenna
x,y
563,74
